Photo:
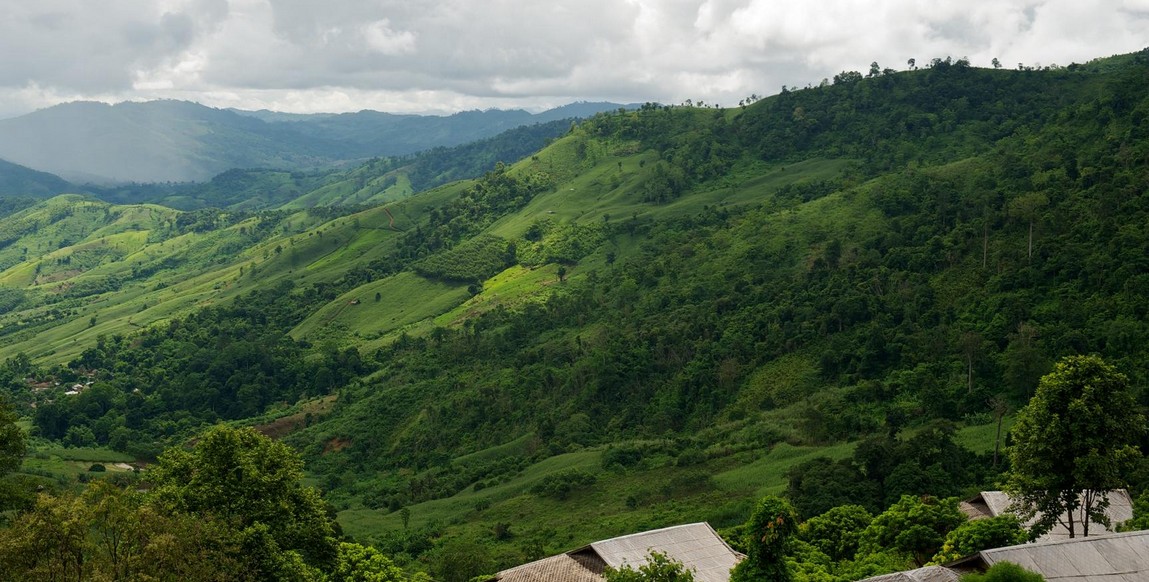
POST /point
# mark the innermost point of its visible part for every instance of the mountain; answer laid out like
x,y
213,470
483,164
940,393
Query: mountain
x,y
658,318
17,180
373,182
155,141
375,134
165,141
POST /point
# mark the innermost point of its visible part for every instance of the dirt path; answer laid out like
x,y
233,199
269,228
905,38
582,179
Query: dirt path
x,y
390,216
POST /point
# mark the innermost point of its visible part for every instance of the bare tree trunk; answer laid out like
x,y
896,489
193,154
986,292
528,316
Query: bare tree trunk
x,y
984,244
997,439
1029,256
1069,514
969,374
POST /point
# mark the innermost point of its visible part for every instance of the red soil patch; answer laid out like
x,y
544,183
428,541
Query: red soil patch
x,y
335,445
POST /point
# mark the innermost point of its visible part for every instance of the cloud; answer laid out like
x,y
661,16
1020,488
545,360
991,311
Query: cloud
x,y
422,55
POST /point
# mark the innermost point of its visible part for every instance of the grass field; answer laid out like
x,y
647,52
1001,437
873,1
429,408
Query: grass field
x,y
404,299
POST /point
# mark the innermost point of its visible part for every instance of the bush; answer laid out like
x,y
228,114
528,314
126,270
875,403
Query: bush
x,y
1004,572
97,468
559,485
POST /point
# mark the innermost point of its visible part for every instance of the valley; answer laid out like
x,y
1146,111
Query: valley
x,y
659,316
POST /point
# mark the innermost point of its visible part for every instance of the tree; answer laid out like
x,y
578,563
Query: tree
x,y
358,563
974,536
253,482
1028,206
767,536
1073,443
996,63
1140,518
838,532
11,440
658,568
915,526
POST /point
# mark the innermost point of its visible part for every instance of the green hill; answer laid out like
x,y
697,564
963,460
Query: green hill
x,y
683,303
16,180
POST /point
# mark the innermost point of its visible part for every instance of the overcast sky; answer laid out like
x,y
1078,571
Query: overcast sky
x,y
443,56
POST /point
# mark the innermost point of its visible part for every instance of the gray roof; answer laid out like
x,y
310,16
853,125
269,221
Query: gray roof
x,y
695,545
1108,558
927,574
560,567
995,503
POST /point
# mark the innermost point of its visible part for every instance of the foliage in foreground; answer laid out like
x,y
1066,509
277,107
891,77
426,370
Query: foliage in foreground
x,y
1004,572
231,508
1076,440
658,568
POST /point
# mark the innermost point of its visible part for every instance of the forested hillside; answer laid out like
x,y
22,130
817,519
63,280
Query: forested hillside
x,y
658,318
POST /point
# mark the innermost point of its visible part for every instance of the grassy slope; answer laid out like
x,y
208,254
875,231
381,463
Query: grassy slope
x,y
720,491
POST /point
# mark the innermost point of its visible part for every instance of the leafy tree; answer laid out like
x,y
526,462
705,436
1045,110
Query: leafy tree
x,y
980,534
1140,518
1073,443
1004,572
109,533
658,568
767,536
821,484
914,526
460,560
358,563
252,482
838,532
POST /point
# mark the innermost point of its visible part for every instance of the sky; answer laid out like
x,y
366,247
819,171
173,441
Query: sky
x,y
443,56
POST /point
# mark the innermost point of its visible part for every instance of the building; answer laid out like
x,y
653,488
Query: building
x,y
1120,557
695,545
927,574
994,503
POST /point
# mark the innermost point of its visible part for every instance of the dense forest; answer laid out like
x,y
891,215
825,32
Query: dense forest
x,y
853,272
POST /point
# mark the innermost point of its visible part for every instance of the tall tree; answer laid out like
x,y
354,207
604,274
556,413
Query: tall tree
x,y
1073,443
253,483
768,535
11,440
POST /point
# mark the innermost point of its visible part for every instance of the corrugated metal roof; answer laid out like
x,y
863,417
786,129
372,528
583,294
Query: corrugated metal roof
x,y
927,574
1108,558
997,503
562,568
696,545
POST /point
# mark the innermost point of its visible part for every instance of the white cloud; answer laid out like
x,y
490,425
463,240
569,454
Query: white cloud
x,y
423,55
383,39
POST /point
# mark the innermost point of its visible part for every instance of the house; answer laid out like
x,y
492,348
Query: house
x,y
1120,557
927,574
994,503
695,545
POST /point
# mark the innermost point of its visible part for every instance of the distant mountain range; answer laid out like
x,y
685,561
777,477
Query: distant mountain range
x,y
178,141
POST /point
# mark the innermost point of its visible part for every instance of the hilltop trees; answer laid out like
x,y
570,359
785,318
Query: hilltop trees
x,y
1072,443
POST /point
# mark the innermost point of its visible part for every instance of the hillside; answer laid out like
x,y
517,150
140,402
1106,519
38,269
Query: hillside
x,y
656,319
17,180
176,141
375,181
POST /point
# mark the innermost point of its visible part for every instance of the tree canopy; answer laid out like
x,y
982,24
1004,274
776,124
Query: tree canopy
x,y
1073,442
